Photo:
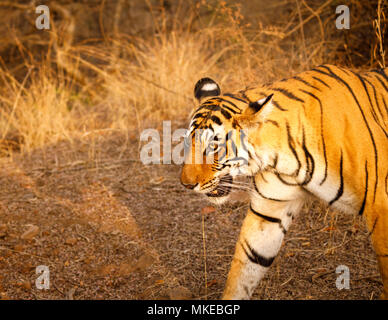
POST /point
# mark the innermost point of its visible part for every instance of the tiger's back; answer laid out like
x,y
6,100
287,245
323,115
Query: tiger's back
x,y
343,118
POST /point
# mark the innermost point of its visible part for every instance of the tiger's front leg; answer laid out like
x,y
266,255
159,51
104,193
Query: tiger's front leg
x,y
260,239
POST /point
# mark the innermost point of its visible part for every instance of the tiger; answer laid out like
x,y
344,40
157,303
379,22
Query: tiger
x,y
320,134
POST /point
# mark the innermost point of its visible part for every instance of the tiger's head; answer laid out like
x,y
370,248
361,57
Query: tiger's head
x,y
216,146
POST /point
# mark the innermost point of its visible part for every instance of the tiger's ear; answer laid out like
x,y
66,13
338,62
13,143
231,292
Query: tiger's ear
x,y
256,112
206,87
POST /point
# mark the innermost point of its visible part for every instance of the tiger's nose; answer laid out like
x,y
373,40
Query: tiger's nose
x,y
189,186
189,177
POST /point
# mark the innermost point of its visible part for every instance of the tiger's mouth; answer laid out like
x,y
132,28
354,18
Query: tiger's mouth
x,y
223,188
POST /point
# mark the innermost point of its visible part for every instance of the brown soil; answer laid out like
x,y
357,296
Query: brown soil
x,y
112,228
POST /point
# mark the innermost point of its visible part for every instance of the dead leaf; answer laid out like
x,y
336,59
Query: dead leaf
x,y
208,209
3,230
211,283
30,233
19,247
106,269
71,241
289,254
329,228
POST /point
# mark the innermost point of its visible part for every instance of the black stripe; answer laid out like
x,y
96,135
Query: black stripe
x,y
333,75
226,114
256,258
369,98
366,190
277,105
321,81
375,95
211,108
212,101
199,115
291,145
386,184
228,136
378,108
230,102
275,161
272,122
286,182
267,218
306,83
242,92
213,105
382,82
288,94
382,73
230,109
309,161
234,97
374,226
262,177
322,135
385,104
195,126
263,196
216,120
208,104
341,187
340,68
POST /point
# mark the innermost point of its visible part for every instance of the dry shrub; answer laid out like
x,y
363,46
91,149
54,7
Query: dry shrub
x,y
157,81
37,111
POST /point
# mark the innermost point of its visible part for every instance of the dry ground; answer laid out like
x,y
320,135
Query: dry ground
x,y
112,228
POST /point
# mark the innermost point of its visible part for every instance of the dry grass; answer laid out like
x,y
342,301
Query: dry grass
x,y
35,115
126,82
